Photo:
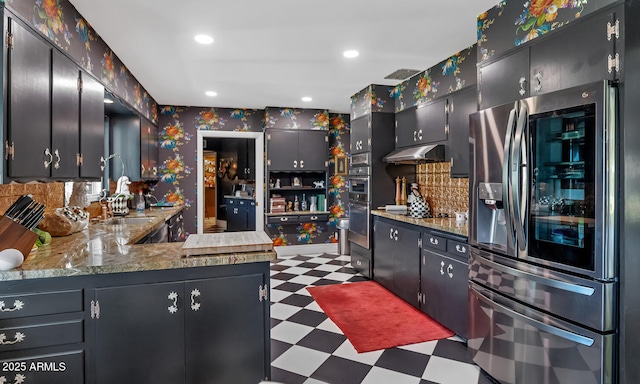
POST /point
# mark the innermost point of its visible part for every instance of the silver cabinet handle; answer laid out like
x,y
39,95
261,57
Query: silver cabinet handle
x,y
441,267
195,293
450,271
414,136
301,163
173,308
17,305
56,165
391,233
358,262
522,90
314,218
284,219
420,131
395,235
235,211
295,163
433,241
461,249
47,163
17,379
142,168
538,77
17,338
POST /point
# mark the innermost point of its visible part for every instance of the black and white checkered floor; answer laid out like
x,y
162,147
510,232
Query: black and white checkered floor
x,y
307,347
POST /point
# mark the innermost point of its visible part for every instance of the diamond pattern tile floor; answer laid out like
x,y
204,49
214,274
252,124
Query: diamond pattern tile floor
x,y
308,348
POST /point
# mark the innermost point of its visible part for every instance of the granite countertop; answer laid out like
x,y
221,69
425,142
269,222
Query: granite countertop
x,y
110,248
441,224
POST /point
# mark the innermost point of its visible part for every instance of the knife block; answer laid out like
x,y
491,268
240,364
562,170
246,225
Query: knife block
x,y
14,235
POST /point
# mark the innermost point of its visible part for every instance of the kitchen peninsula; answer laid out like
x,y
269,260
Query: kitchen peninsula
x,y
100,308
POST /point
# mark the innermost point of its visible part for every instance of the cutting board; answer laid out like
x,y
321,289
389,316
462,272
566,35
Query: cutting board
x,y
226,242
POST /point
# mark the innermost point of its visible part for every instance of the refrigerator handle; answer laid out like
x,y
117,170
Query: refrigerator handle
x,y
518,175
507,201
568,335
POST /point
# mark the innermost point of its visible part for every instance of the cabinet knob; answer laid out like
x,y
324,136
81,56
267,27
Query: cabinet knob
x,y
461,249
17,338
358,262
420,134
173,308
295,163
301,163
433,241
17,305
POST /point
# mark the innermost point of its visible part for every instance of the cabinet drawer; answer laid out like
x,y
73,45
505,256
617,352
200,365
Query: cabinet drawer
x,y
458,249
288,219
35,304
40,335
432,241
59,368
307,218
361,264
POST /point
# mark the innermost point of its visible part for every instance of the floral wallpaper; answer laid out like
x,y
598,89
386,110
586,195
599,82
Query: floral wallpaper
x,y
452,74
337,193
373,98
59,21
512,23
296,118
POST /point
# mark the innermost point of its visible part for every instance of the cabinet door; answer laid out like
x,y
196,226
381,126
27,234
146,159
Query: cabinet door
x,y
461,105
444,286
65,109
91,126
125,141
578,55
236,216
432,122
282,150
140,334
251,216
406,127
360,134
313,150
406,265
28,110
225,330
149,150
505,80
385,247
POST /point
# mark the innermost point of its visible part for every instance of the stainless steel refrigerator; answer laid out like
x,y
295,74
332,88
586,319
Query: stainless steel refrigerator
x,y
543,269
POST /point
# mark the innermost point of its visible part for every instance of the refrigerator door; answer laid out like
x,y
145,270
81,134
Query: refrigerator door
x,y
566,182
581,300
491,133
518,344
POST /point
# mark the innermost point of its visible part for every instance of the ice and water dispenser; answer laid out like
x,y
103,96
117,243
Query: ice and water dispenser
x,y
491,225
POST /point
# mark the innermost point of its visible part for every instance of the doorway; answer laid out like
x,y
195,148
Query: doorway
x,y
247,176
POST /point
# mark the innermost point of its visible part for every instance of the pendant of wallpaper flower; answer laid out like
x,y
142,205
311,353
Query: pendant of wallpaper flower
x,y
209,120
307,232
398,97
49,19
451,67
86,36
539,17
425,89
173,135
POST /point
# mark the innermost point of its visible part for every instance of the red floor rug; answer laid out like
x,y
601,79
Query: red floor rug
x,y
373,318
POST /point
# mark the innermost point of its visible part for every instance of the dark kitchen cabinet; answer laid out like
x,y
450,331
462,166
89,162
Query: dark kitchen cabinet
x,y
360,134
246,159
211,330
149,149
28,75
585,51
176,228
125,140
443,281
55,112
397,259
241,214
425,123
297,150
461,105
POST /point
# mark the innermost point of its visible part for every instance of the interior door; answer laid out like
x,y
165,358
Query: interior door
x,y
28,110
65,112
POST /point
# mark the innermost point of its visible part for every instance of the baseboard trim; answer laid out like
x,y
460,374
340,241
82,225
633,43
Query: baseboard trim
x,y
306,249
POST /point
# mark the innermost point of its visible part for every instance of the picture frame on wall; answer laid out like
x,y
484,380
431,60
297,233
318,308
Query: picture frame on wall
x,y
341,165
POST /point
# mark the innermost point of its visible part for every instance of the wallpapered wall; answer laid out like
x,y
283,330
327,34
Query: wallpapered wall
x,y
178,181
59,21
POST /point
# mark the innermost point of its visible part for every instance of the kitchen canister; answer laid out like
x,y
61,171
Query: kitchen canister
x,y
419,208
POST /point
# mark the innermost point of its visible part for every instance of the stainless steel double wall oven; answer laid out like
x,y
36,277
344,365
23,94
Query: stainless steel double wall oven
x,y
359,199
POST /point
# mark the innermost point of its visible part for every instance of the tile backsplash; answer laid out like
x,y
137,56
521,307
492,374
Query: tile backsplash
x,y
443,193
50,194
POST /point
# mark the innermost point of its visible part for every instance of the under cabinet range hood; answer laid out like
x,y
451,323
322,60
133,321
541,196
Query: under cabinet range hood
x,y
415,155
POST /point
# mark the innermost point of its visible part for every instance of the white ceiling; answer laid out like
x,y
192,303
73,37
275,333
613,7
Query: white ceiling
x,y
272,53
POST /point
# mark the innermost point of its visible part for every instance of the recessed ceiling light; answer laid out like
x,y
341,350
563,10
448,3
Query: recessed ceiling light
x,y
306,99
108,101
204,39
211,93
350,53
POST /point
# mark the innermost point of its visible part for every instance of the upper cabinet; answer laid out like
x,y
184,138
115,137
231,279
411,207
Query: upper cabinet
x,y
584,51
54,113
423,124
149,149
297,150
135,140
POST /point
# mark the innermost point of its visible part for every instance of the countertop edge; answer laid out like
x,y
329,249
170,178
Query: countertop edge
x,y
448,225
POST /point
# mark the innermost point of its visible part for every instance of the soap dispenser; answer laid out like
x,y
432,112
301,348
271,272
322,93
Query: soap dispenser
x,y
140,203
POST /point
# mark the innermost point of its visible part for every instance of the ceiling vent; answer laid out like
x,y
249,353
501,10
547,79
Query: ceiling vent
x,y
401,74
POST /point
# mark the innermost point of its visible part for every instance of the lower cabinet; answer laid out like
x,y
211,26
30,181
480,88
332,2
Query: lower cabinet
x,y
397,259
241,215
443,281
203,330
361,260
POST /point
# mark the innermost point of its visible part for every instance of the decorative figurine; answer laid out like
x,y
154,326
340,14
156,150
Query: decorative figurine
x,y
318,184
297,182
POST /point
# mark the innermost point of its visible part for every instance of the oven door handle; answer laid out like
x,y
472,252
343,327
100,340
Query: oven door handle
x,y
359,178
574,337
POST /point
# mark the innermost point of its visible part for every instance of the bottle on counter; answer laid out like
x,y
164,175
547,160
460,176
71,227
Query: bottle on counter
x,y
140,202
303,203
296,204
